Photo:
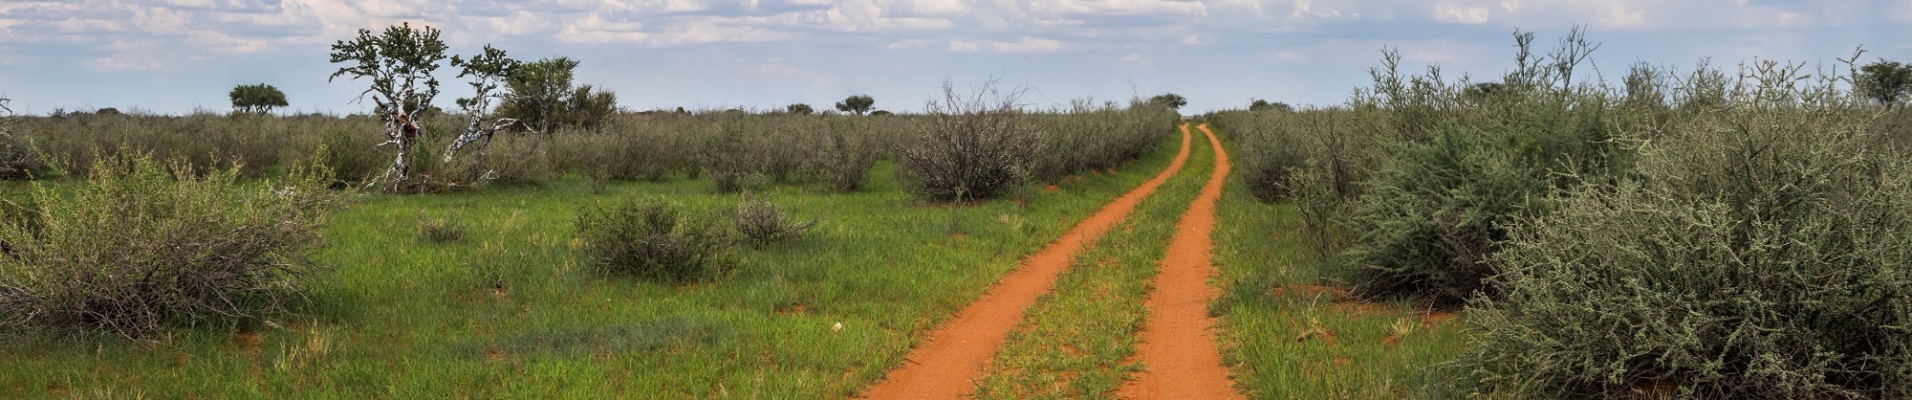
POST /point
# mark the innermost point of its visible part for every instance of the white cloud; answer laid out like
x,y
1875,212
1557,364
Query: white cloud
x,y
1289,56
1132,57
1025,45
1028,45
1460,15
910,44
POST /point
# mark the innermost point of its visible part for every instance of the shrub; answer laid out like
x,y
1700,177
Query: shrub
x,y
973,147
1443,206
840,153
349,154
143,246
729,158
514,160
761,223
1089,136
18,161
651,239
1761,254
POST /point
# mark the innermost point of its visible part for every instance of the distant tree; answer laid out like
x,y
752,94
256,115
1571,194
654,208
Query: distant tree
x,y
399,64
799,109
544,97
256,98
857,104
879,113
1264,105
1887,82
1170,100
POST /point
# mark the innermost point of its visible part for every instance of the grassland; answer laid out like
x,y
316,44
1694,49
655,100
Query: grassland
x,y
506,311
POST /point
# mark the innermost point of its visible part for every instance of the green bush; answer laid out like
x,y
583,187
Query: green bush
x,y
1467,166
142,246
651,239
18,161
1763,253
351,155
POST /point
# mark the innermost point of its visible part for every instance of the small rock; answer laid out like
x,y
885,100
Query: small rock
x,y
837,328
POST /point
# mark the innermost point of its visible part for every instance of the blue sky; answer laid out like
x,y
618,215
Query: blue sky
x,y
173,56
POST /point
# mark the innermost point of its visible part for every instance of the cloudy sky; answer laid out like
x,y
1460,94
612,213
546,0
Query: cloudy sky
x,y
174,56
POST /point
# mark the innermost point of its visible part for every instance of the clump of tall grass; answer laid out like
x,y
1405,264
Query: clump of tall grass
x,y
1761,251
147,244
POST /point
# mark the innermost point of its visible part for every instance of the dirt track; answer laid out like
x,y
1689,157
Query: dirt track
x,y
1178,340
945,366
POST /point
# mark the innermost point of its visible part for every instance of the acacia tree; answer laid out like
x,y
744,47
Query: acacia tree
x,y
256,98
799,109
1887,82
1263,105
857,104
399,64
1170,100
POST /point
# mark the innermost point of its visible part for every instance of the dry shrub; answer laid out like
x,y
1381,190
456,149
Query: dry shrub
x,y
970,147
761,223
840,152
143,246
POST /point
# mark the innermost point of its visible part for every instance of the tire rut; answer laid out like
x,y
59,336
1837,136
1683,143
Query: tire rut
x,y
945,365
1178,347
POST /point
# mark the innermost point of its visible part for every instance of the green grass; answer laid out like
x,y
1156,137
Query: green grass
x,y
1275,332
1076,342
507,311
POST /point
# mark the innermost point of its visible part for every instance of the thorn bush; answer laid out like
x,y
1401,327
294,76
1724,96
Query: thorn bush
x,y
1763,251
143,246
761,223
651,239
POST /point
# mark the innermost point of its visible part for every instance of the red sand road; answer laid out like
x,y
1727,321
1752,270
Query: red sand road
x,y
945,366
1178,343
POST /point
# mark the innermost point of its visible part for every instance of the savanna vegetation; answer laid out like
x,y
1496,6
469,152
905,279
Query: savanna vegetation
x,y
1711,233
533,241
1707,233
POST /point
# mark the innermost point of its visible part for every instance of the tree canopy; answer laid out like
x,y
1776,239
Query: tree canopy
x,y
544,96
857,104
1887,82
256,98
1170,100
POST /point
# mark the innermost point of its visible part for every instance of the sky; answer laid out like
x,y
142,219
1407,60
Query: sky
x,y
178,56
